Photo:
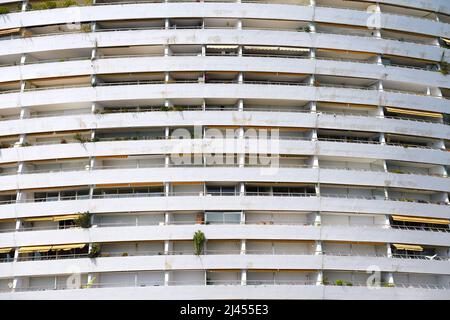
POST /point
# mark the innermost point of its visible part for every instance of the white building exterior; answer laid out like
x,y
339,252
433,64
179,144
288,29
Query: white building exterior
x,y
347,199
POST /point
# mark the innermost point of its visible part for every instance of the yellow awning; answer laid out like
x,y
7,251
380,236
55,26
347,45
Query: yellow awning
x,y
35,249
422,220
5,250
53,218
408,247
67,247
66,217
9,31
415,113
38,219
447,41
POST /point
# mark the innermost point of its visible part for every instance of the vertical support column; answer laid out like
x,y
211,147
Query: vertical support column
x,y
167,51
382,138
387,222
240,105
243,246
166,218
167,247
167,77
240,78
241,151
167,277
167,129
317,220
388,250
24,113
93,163
24,5
380,112
167,23
23,59
243,274
91,193
379,59
239,23
318,249
319,280
166,189
312,53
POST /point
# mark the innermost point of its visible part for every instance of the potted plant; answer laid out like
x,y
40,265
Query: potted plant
x,y
339,282
84,220
199,241
95,251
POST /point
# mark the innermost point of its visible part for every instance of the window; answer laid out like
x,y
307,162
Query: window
x,y
223,217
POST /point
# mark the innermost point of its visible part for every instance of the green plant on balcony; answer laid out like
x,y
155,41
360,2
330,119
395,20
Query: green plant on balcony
x,y
69,3
4,10
397,171
84,220
89,283
86,27
94,252
339,282
199,241
307,29
444,68
387,284
25,144
80,138
177,108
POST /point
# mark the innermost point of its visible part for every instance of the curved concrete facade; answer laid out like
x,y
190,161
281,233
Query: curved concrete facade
x,y
307,140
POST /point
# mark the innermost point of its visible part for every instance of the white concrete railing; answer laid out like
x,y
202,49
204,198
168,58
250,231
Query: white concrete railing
x,y
228,194
392,228
268,252
230,282
213,82
416,42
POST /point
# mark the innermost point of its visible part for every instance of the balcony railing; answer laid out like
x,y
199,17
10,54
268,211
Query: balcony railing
x,y
231,282
225,193
264,252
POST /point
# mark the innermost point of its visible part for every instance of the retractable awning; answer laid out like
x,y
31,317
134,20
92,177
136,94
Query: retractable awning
x,y
67,217
64,247
35,249
414,112
9,31
408,247
54,218
67,247
420,219
5,250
